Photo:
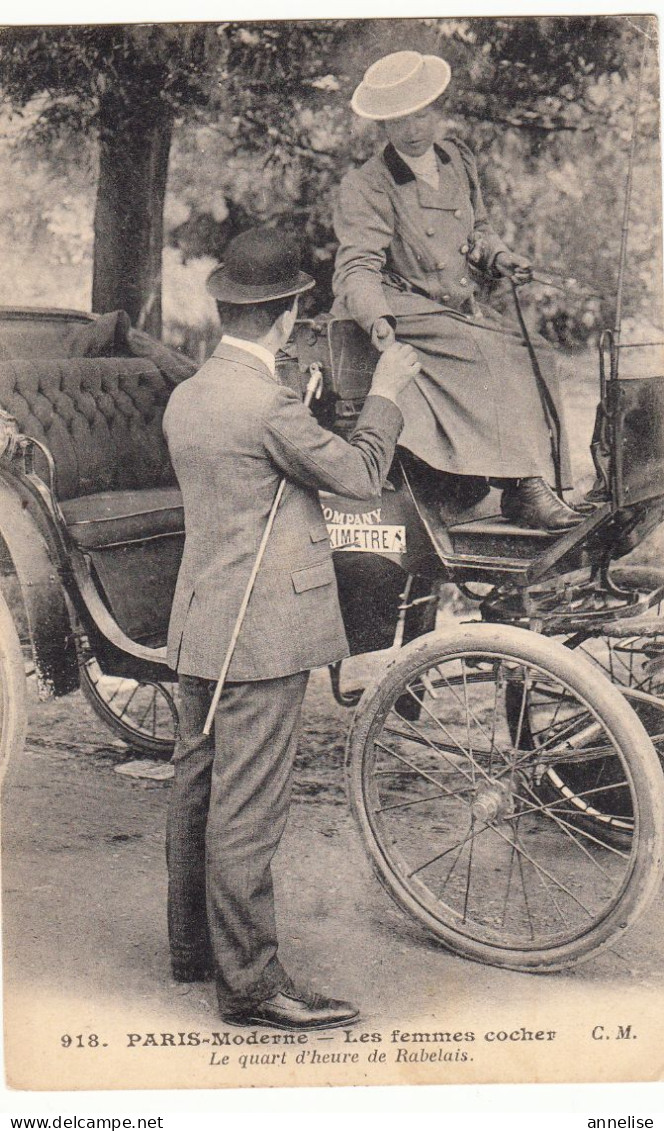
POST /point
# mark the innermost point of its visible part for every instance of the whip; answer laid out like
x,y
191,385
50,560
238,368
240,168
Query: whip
x,y
615,337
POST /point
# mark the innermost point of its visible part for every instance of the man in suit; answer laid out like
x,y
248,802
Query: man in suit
x,y
233,432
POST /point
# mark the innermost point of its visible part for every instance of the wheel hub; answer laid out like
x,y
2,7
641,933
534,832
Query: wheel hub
x,y
492,802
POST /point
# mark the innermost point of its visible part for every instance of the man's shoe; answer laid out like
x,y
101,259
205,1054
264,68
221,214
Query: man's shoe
x,y
531,502
283,1011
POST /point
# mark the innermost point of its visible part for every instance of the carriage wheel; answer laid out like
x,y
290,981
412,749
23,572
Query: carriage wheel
x,y
142,713
625,660
13,695
450,810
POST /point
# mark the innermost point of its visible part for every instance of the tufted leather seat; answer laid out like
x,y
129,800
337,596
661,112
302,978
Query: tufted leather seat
x,y
98,408
101,420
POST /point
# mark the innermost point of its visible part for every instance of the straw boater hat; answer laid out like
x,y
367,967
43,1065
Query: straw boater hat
x,y
259,265
400,84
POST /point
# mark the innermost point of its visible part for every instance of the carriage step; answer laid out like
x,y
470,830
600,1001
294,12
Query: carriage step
x,y
497,538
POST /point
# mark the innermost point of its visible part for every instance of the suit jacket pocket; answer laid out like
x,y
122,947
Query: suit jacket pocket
x,y
313,576
319,534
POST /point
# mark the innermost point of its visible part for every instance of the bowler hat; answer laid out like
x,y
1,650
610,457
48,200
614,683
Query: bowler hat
x,y
259,265
400,84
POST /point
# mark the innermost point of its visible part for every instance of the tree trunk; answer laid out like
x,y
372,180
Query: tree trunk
x,y
134,146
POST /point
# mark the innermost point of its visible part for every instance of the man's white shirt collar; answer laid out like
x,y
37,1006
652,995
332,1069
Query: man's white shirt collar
x,y
251,347
425,167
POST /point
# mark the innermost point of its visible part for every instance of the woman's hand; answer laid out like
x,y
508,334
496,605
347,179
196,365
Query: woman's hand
x,y
382,335
515,267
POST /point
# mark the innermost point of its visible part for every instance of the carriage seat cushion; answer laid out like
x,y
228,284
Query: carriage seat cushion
x,y
110,518
99,417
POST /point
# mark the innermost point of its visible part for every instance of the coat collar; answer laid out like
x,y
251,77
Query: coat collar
x,y
226,352
401,172
427,196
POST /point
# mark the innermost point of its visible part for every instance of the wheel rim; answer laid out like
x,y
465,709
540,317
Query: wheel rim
x,y
144,713
13,699
454,807
591,789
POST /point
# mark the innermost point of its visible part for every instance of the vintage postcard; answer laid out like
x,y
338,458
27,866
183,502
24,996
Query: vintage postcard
x,y
331,533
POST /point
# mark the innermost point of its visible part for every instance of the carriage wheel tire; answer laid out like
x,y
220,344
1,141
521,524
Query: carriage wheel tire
x,y
13,689
105,707
496,644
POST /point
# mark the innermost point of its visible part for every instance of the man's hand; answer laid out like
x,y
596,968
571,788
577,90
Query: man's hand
x,y
515,267
382,335
396,368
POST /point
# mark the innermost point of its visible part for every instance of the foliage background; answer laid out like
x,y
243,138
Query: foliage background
x,y
263,133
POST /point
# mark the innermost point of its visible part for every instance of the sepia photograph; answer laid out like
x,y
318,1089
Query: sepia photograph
x,y
332,552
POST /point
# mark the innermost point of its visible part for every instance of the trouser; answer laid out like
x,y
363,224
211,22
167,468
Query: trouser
x,y
227,814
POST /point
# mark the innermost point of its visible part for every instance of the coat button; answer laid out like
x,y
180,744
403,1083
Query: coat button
x,y
440,266
446,298
431,231
463,282
457,213
464,249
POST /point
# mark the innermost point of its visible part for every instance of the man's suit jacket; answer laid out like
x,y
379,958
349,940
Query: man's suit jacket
x,y
233,431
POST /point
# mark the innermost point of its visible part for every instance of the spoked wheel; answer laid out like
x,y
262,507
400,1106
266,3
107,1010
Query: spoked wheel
x,y
628,650
142,713
451,811
13,696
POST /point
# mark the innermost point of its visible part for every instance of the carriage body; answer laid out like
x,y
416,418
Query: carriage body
x,y
92,529
93,525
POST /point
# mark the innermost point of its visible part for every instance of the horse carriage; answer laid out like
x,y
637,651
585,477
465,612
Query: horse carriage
x,y
504,765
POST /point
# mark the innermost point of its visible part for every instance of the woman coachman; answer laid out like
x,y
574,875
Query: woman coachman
x,y
414,234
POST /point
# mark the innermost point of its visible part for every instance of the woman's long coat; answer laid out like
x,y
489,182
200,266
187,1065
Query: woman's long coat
x,y
409,252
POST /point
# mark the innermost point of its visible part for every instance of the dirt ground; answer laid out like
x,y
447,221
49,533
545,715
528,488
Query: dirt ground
x,y
86,950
